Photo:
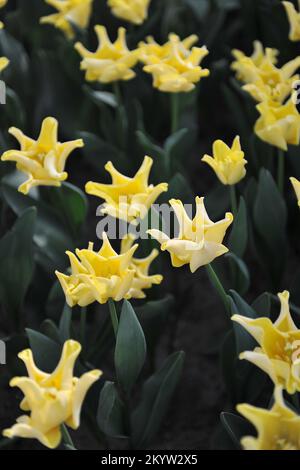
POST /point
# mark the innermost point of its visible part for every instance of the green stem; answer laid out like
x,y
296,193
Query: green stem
x,y
117,92
83,326
233,199
280,170
66,436
113,316
174,112
218,286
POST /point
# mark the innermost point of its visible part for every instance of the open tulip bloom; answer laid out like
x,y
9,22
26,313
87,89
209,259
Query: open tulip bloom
x,y
51,399
133,11
199,241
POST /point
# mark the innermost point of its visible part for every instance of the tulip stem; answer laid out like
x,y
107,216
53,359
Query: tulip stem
x,y
233,199
66,436
113,316
174,112
214,279
280,170
117,93
83,326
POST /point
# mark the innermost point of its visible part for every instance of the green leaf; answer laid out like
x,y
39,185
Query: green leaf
x,y
157,393
17,264
110,414
46,352
262,305
239,234
240,277
130,351
270,217
101,97
236,427
98,152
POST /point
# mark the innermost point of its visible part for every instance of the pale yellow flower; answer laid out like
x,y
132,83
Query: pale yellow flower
x,y
127,198
278,352
134,11
245,66
51,399
277,428
199,241
228,163
141,266
264,81
98,276
77,12
175,66
294,20
2,4
296,186
111,61
44,159
278,125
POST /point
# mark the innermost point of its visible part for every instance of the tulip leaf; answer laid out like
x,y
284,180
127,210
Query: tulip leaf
x,y
262,305
239,234
130,351
96,151
46,352
110,414
17,263
101,97
65,324
157,393
270,217
240,277
236,427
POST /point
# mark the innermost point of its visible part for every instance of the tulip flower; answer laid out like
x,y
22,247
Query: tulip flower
x,y
44,159
141,266
127,198
3,3
77,12
277,428
199,240
278,125
294,20
246,67
277,353
264,81
51,399
175,66
111,61
296,186
98,276
134,11
228,163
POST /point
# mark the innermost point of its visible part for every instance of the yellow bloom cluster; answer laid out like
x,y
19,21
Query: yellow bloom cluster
x,y
228,163
279,122
51,399
127,198
99,276
111,61
175,66
134,11
277,428
77,12
199,241
294,20
44,159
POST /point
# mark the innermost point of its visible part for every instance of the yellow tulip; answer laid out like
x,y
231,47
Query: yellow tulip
x,y
98,276
3,3
278,125
264,81
77,12
51,399
277,353
228,163
246,67
199,240
277,428
296,186
294,20
175,66
4,62
134,11
127,198
141,266
111,61
44,159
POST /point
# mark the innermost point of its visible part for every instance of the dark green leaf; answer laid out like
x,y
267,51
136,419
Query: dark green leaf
x,y
110,414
